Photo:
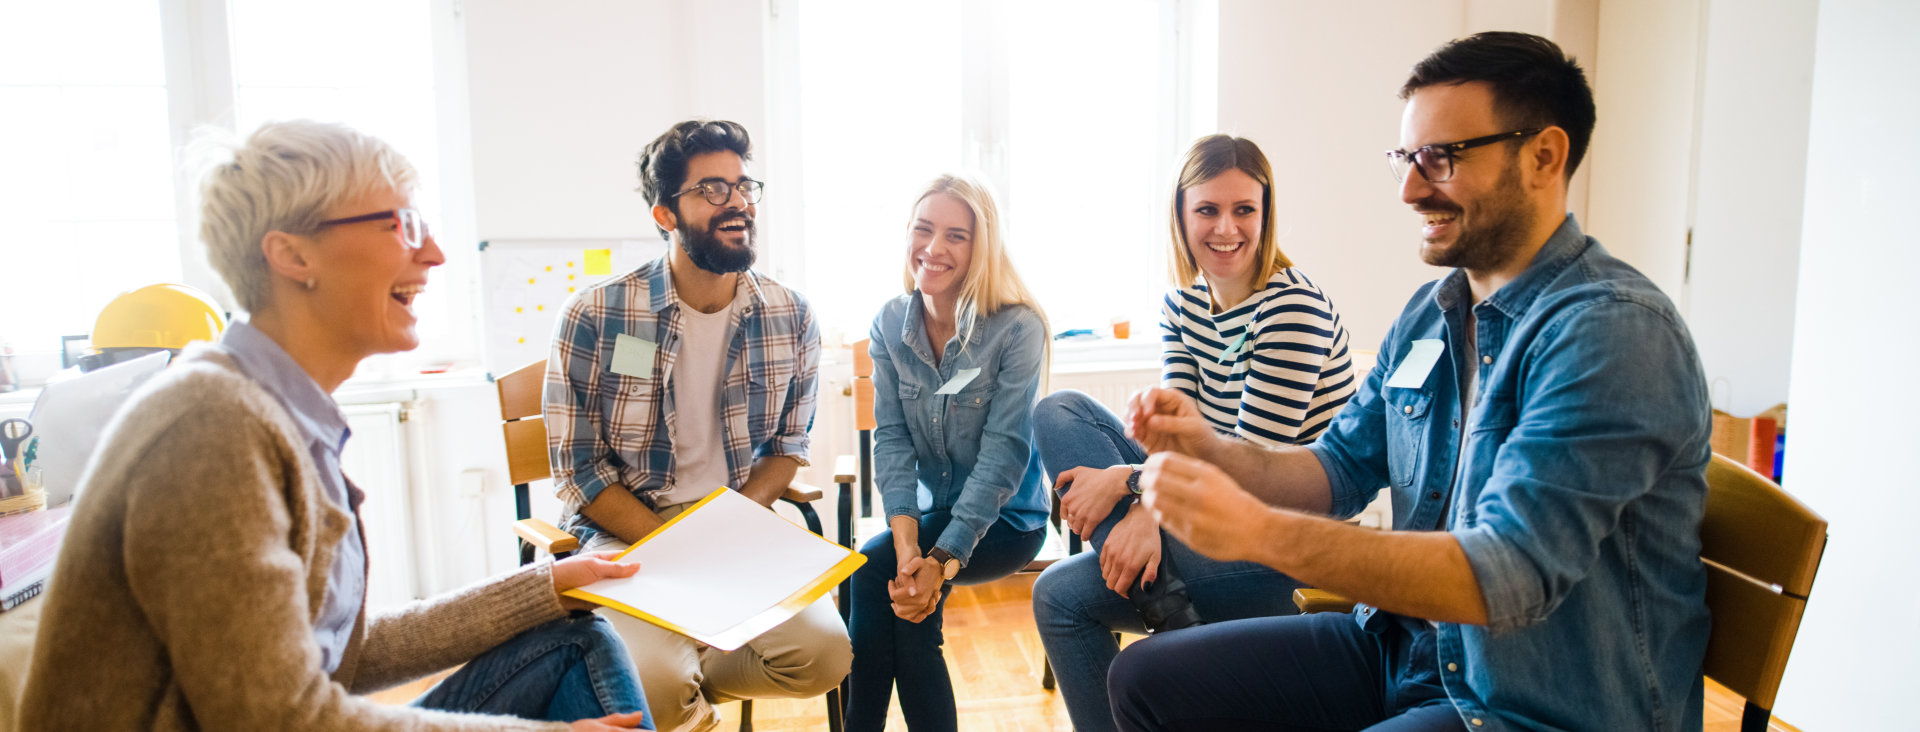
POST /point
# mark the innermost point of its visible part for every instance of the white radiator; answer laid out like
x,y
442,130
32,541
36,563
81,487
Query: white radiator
x,y
379,459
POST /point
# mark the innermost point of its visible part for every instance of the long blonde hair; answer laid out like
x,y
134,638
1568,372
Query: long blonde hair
x,y
991,282
1205,160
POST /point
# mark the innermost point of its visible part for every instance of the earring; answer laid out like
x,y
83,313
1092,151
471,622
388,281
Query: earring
x,y
311,283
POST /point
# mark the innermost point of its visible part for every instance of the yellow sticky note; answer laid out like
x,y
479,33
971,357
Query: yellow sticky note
x,y
541,308
569,278
529,280
523,340
519,310
569,289
599,261
549,268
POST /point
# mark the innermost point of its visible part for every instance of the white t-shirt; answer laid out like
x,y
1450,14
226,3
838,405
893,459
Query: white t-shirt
x,y
699,448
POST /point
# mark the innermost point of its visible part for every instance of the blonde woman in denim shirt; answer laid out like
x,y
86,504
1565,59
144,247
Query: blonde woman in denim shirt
x,y
957,363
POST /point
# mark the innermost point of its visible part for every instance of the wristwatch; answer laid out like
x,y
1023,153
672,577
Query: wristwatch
x,y
1133,479
949,564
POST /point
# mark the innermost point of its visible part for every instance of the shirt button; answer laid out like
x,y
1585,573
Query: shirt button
x,y
1486,359
1453,667
1408,409
976,401
936,420
1434,495
1476,721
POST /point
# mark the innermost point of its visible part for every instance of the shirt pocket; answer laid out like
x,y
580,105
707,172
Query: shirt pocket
x,y
631,409
1406,432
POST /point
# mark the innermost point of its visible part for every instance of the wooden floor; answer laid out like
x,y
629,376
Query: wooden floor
x,y
993,653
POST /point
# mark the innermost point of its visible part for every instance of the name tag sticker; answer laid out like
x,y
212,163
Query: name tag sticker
x,y
960,380
633,356
1232,350
1414,367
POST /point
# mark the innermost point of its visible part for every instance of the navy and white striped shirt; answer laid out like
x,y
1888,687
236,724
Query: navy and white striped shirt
x,y
1274,369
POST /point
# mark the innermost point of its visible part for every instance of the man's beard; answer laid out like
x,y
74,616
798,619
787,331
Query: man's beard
x,y
1494,240
707,252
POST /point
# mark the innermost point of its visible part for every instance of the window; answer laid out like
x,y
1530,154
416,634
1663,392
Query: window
x,y
88,189
100,202
1077,130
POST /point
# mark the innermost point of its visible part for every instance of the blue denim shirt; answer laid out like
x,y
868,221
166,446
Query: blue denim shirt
x,y
970,452
1579,496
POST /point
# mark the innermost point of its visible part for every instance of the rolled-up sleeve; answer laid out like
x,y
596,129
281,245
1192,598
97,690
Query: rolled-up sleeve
x,y
579,453
1007,444
796,414
1603,418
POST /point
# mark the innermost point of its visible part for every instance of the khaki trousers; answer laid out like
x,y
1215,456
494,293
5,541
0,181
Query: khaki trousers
x,y
683,678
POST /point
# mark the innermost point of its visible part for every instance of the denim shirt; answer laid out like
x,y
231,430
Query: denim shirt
x,y
970,452
1579,500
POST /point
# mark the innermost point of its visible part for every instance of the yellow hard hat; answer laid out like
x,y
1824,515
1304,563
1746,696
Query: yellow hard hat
x,y
158,316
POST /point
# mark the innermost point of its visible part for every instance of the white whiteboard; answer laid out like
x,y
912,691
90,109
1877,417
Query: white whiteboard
x,y
524,282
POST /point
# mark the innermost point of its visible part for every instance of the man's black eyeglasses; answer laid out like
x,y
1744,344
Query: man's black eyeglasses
x,y
1435,162
718,192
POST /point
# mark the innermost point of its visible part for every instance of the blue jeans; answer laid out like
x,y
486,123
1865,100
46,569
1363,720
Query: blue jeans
x,y
1076,613
1307,672
569,669
888,651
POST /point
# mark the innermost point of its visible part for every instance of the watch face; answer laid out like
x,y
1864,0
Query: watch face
x,y
1133,482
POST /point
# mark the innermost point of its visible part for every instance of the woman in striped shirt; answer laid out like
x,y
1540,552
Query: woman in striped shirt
x,y
1262,350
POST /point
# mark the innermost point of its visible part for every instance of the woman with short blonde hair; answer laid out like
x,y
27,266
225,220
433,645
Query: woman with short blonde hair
x,y
214,574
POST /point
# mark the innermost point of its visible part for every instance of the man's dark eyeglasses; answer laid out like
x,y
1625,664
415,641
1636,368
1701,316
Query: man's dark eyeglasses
x,y
1435,162
718,192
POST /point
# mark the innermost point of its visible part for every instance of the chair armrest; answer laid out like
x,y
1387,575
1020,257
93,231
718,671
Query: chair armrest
x,y
545,536
846,469
1310,600
801,493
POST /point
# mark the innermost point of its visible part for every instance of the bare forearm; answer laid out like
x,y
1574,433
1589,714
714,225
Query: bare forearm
x,y
618,511
1289,477
769,479
1420,574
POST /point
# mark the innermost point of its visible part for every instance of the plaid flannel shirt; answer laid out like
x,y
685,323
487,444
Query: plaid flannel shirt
x,y
606,428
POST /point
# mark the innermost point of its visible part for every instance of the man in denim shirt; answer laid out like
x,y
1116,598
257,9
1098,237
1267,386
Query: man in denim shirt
x,y
1540,417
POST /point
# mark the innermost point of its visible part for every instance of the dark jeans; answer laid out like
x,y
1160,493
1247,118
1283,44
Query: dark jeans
x,y
888,651
1076,613
569,669
1303,672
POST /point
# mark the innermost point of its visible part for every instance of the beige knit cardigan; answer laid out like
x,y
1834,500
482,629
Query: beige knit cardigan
x,y
195,567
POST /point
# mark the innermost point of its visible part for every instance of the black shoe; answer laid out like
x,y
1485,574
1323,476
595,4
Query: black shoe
x,y
1164,605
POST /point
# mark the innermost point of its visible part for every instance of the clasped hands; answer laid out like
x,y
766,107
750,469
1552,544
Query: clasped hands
x,y
915,590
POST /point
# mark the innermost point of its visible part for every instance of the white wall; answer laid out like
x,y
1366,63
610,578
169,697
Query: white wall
x,y
1645,82
1756,85
1315,85
1851,434
565,93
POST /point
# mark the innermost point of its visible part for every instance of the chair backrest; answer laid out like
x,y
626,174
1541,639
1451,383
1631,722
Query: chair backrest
x,y
1762,548
525,431
863,387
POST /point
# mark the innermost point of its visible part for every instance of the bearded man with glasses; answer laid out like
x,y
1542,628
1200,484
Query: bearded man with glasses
x,y
1540,417
691,373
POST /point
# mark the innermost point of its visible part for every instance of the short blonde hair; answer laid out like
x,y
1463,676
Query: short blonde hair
x,y
1205,160
991,282
284,177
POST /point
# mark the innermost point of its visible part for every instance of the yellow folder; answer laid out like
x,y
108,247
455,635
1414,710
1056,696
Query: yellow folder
x,y
724,571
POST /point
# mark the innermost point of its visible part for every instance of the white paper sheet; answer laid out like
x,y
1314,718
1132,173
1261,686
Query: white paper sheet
x,y
721,565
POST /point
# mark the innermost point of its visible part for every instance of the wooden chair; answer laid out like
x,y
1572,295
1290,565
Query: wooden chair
x,y
1762,548
525,432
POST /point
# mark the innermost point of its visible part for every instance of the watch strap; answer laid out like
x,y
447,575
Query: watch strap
x,y
1133,479
949,565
